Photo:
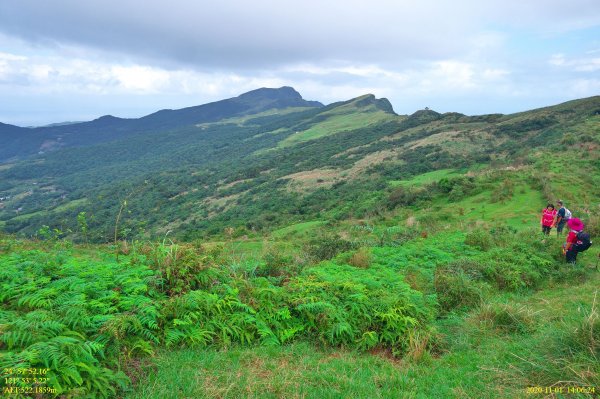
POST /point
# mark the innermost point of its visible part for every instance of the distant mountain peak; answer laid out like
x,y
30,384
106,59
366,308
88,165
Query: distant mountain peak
x,y
426,115
285,96
265,98
107,118
282,92
366,102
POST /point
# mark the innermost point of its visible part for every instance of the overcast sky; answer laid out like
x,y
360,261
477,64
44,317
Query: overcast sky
x,y
71,60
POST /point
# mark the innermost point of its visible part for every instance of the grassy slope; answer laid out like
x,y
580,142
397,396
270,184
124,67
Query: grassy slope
x,y
338,123
425,178
478,361
478,358
475,356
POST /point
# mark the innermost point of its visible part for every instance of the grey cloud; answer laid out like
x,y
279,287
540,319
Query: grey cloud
x,y
244,35
239,34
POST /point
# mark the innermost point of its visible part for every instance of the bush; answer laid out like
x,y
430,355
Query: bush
x,y
503,192
180,268
506,318
406,196
422,344
456,194
456,188
480,239
275,264
512,261
335,304
80,318
514,268
327,247
455,289
505,236
361,258
592,226
568,140
342,305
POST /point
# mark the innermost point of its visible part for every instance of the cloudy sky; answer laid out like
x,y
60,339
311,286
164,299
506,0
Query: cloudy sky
x,y
71,60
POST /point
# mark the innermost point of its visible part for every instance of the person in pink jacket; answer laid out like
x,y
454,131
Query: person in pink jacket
x,y
547,221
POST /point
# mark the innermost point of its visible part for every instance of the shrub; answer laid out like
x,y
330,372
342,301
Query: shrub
x,y
406,196
503,192
480,239
77,317
568,140
514,268
361,258
327,247
343,305
455,289
506,318
275,264
418,278
336,304
456,194
422,343
592,226
512,261
505,236
181,268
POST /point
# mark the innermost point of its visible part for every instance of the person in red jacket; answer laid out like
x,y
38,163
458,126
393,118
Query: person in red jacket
x,y
547,221
575,225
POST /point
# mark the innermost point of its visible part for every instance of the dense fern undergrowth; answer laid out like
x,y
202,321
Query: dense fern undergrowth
x,y
90,316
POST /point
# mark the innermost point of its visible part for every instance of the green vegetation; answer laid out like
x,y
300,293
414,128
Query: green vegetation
x,y
422,309
478,359
234,172
426,178
299,229
377,256
338,123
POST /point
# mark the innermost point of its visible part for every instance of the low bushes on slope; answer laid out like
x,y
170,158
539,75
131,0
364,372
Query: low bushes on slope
x,y
80,318
85,316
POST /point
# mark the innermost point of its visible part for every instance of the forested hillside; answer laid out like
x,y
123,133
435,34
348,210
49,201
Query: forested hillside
x,y
256,172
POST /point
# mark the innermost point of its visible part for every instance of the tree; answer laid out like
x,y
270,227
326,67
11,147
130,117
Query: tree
x,y
83,226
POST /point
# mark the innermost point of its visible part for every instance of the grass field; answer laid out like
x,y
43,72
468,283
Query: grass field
x,y
299,229
477,359
524,208
337,124
69,205
425,178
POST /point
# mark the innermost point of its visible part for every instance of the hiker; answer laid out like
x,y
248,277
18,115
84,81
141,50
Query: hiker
x,y
547,221
562,216
577,240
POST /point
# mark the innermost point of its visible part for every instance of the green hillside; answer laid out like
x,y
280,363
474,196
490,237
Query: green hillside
x,y
317,252
257,174
416,302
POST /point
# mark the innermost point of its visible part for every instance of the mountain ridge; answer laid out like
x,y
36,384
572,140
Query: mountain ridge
x,y
26,142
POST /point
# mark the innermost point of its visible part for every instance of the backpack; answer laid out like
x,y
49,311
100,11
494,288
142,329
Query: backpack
x,y
583,242
567,214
